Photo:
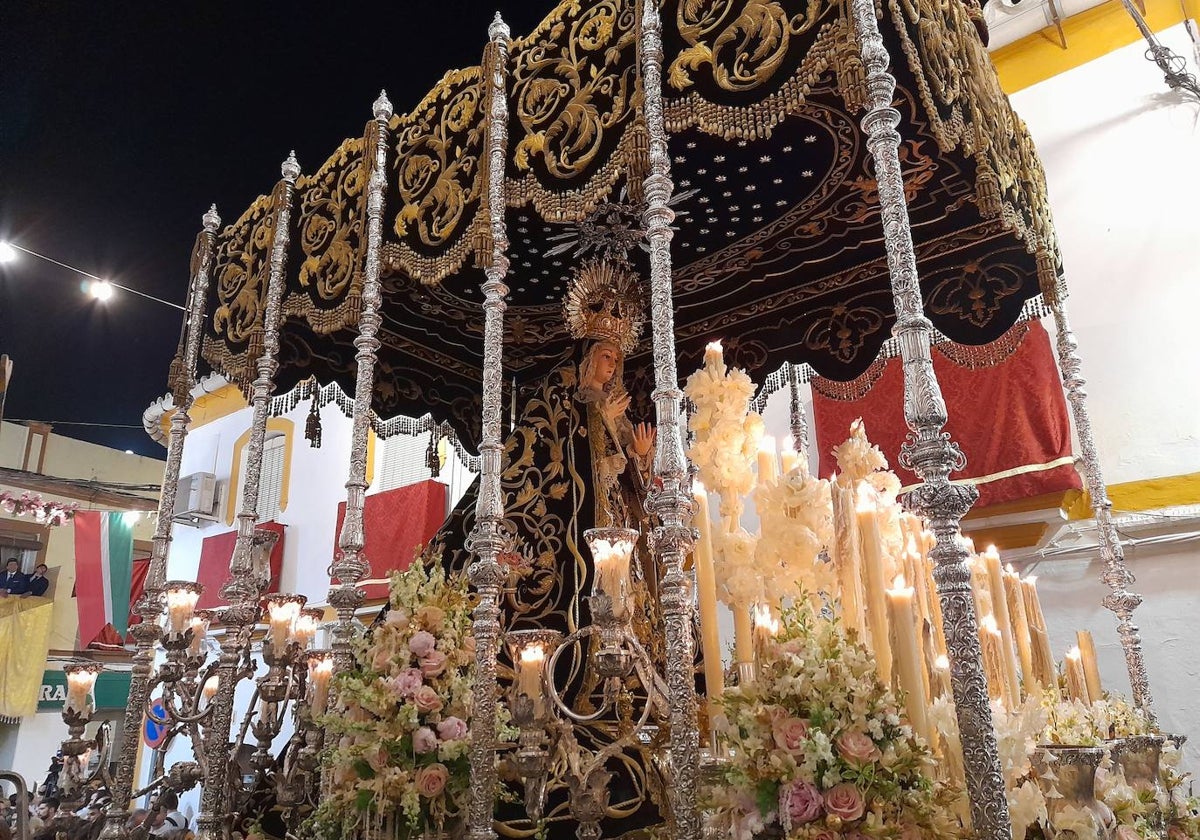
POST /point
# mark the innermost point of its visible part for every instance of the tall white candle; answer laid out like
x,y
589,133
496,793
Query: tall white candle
x,y
706,594
1076,679
789,458
1008,651
846,560
320,672
767,468
743,635
908,658
612,573
529,676
1020,626
873,575
1087,656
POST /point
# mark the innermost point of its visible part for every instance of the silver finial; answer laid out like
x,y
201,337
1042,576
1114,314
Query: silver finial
x,y
290,168
382,108
498,29
211,220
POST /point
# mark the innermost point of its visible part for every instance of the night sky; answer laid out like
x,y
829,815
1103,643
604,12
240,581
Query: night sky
x,y
120,123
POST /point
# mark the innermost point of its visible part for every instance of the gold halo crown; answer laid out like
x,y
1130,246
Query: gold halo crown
x,y
604,302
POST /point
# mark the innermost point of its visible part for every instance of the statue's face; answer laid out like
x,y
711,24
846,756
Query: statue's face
x,y
604,363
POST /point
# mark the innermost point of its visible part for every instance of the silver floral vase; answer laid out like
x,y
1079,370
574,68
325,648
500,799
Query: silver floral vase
x,y
1067,776
1138,757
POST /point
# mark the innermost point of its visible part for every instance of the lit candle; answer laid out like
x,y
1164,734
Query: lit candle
x,y
210,687
872,558
766,628
743,640
941,673
529,676
1076,680
1008,650
81,679
767,469
789,458
1020,626
200,622
706,593
989,645
282,613
612,573
713,358
909,661
306,626
1087,655
1039,638
181,604
846,557
320,671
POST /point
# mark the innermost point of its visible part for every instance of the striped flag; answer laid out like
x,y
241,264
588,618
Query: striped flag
x,y
103,572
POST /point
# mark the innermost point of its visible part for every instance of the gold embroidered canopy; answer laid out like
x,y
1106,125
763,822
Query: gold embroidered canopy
x,y
778,245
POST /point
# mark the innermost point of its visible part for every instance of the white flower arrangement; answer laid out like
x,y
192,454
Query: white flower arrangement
x,y
795,516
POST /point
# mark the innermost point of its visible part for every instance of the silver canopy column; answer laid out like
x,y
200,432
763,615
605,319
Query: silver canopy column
x,y
147,633
929,452
670,499
245,583
351,566
487,540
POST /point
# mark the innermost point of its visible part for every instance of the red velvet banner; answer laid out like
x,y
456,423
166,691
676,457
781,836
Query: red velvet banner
x,y
215,554
137,585
1007,417
395,523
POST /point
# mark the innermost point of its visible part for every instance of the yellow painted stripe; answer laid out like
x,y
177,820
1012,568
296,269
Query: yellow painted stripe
x,y
1090,35
1149,494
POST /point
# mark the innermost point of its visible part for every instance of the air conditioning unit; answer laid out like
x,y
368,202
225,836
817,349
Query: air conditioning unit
x,y
196,499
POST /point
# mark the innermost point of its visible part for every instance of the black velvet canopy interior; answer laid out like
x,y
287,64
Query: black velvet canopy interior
x,y
778,247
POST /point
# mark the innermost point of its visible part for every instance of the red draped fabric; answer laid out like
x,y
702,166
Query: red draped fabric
x,y
215,554
1010,420
137,585
396,523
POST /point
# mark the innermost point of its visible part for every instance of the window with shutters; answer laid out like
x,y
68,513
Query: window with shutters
x,y
272,482
402,461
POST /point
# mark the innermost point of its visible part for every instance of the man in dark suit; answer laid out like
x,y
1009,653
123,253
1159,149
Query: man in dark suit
x,y
38,583
13,582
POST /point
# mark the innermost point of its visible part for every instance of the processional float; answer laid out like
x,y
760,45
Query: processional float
x,y
799,177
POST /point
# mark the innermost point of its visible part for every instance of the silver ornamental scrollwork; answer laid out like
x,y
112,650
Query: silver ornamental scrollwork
x,y
1116,575
929,451
670,498
147,633
351,566
246,580
486,541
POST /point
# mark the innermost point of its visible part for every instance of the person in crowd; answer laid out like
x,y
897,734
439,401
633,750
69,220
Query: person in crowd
x,y
38,583
136,818
171,818
47,809
13,582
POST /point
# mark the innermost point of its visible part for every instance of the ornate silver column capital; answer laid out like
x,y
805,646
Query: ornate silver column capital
x,y
929,451
211,219
382,107
1116,575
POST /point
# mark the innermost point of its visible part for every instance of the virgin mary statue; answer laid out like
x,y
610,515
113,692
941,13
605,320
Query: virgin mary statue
x,y
573,461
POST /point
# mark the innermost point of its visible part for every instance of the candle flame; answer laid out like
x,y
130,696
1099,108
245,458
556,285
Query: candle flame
x,y
764,619
991,551
533,653
789,444
898,582
713,346
698,488
767,444
1010,569
323,666
1073,653
941,662
866,498
1031,580
988,623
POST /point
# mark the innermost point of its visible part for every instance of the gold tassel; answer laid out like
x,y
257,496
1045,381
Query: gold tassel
x,y
987,190
312,426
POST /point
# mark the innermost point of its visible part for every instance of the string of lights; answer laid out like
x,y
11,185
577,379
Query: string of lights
x,y
99,288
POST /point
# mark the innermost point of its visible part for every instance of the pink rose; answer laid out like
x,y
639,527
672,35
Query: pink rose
x,y
824,834
433,663
802,801
421,643
427,700
790,733
406,683
381,659
857,747
431,780
376,756
452,729
398,618
424,741
844,801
